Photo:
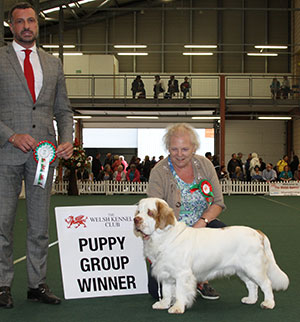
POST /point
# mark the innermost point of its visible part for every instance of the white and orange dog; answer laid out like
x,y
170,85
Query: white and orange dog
x,y
182,256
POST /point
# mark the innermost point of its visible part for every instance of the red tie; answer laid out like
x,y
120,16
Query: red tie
x,y
28,72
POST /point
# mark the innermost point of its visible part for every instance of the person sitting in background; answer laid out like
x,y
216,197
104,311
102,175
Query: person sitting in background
x,y
158,87
222,174
96,166
146,167
297,174
185,87
119,175
269,174
257,175
275,88
123,162
133,175
82,174
172,86
262,165
247,167
238,174
285,87
138,86
253,163
282,163
106,174
286,174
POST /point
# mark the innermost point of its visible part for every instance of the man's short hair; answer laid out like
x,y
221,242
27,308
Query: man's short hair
x,y
20,5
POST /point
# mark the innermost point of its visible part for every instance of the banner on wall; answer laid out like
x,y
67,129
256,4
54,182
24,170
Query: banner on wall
x,y
99,253
284,189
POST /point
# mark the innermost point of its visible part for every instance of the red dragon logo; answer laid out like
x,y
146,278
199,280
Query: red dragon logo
x,y
79,220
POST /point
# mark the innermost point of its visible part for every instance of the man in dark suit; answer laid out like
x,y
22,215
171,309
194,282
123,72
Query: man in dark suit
x,y
27,107
172,86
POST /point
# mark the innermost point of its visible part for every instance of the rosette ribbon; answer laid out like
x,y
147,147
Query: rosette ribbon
x,y
205,189
44,155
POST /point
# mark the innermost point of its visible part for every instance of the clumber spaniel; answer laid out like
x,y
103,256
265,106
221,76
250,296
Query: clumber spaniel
x,y
181,256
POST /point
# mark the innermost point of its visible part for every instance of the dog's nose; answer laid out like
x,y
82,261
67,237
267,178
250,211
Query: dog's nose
x,y
137,220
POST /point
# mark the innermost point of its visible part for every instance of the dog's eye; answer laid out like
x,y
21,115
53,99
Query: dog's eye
x,y
150,213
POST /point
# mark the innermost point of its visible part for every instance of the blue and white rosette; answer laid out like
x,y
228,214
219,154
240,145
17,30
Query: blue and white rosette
x,y
44,154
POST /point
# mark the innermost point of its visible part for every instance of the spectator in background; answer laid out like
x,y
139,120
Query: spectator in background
x,y
123,162
275,88
238,174
253,163
82,174
232,164
285,87
208,156
282,163
257,177
146,167
108,159
138,86
269,174
173,86
133,174
216,163
161,157
158,86
222,174
185,87
297,174
116,163
247,167
96,166
294,164
262,165
286,174
106,174
240,161
119,175
153,162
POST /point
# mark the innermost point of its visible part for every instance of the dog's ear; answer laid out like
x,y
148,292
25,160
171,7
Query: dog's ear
x,y
165,215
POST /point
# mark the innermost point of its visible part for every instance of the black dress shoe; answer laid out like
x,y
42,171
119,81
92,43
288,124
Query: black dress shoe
x,y
42,294
5,297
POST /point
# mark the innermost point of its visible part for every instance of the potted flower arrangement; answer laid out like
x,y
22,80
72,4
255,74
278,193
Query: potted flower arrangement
x,y
78,160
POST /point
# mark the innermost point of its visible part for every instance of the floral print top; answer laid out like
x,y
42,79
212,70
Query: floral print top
x,y
192,204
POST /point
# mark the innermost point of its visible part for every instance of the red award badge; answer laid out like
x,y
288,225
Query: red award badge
x,y
205,189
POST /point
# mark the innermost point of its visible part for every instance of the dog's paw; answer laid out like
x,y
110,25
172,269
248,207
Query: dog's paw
x,y
268,304
176,309
248,300
161,305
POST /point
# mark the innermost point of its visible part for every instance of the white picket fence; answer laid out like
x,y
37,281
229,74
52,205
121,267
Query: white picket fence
x,y
111,187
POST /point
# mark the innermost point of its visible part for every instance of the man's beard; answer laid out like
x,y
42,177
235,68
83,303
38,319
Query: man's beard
x,y
26,40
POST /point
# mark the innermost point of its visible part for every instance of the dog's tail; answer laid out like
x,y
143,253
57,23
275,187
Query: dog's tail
x,y
279,279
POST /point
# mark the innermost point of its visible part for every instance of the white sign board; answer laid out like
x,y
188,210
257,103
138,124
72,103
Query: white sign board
x,y
99,253
285,189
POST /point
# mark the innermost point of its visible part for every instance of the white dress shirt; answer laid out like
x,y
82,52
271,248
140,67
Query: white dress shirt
x,y
35,62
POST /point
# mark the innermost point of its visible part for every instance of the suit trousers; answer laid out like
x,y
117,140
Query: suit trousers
x,y
37,207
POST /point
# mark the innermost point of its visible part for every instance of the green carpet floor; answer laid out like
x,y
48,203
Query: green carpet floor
x,y
278,217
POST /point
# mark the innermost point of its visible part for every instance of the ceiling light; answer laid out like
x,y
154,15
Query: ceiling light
x,y
200,46
130,46
82,117
51,10
205,117
69,54
262,54
142,117
5,24
270,47
274,117
133,54
197,54
57,46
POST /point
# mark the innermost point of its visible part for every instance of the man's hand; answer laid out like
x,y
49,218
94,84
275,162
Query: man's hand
x,y
24,142
65,150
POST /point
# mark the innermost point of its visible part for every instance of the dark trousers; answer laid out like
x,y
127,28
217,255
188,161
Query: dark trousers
x,y
152,283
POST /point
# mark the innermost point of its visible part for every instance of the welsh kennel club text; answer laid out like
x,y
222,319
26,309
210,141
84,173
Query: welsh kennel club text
x,y
105,263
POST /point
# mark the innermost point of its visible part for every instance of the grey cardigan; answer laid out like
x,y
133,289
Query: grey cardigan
x,y
162,183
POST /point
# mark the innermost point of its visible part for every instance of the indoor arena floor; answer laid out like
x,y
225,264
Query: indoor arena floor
x,y
278,217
